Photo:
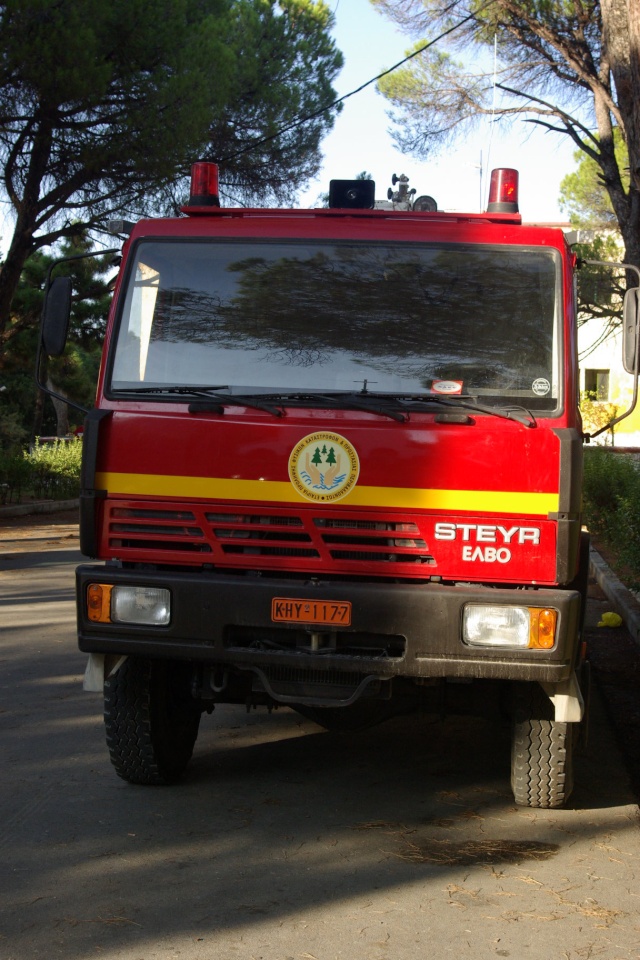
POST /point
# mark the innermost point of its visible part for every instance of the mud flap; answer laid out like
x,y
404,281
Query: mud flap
x,y
99,667
567,699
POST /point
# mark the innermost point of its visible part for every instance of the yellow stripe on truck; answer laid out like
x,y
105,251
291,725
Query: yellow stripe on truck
x,y
274,491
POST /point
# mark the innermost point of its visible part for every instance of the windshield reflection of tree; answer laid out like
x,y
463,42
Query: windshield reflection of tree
x,y
482,317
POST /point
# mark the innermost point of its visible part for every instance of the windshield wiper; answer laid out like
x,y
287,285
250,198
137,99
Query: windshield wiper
x,y
187,391
515,412
216,401
383,406
397,406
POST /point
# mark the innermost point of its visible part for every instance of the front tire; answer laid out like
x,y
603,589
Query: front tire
x,y
541,751
151,720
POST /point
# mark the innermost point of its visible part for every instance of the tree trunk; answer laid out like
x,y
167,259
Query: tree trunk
x,y
62,411
38,416
26,206
621,53
633,131
10,272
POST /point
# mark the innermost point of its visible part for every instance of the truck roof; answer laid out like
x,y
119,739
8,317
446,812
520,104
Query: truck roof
x,y
339,224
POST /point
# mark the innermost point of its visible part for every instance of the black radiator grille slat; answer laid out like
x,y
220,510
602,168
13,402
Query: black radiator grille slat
x,y
376,557
269,551
253,519
157,529
159,546
284,674
138,513
261,536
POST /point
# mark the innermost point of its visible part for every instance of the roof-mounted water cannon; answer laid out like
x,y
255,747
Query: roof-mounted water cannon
x,y
403,194
403,198
503,191
204,185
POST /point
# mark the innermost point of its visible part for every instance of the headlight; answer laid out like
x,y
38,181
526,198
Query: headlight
x,y
491,625
150,605
117,603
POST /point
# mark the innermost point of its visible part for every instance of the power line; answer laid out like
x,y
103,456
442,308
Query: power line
x,y
329,106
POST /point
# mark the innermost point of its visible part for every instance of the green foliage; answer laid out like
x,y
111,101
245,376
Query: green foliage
x,y
547,62
600,289
15,476
411,89
584,198
596,414
583,195
76,371
16,398
285,64
55,469
104,106
50,471
611,503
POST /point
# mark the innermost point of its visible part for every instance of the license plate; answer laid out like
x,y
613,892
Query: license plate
x,y
331,612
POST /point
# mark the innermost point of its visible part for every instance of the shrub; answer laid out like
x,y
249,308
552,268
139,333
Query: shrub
x,y
15,476
55,469
596,414
611,501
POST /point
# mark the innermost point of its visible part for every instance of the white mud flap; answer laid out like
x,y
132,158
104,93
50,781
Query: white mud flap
x,y
99,667
567,699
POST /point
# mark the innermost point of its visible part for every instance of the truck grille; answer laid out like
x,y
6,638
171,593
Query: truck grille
x,y
251,539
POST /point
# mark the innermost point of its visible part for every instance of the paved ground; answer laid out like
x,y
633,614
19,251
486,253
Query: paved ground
x,y
285,841
26,533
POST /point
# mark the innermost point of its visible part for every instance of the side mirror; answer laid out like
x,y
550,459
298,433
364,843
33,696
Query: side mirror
x,y
630,329
55,317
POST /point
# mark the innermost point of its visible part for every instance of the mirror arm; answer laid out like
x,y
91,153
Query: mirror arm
x,y
623,416
46,389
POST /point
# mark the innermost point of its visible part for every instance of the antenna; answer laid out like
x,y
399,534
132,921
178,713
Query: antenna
x,y
493,102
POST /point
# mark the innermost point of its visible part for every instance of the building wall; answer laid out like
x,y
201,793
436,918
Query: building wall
x,y
600,358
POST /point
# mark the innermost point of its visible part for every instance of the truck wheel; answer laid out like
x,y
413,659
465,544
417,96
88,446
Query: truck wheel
x,y
541,751
151,720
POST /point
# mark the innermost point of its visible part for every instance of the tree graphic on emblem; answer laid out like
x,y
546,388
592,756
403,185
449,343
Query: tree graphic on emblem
x,y
331,457
317,459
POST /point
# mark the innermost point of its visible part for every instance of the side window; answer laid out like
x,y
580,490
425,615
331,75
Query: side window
x,y
596,384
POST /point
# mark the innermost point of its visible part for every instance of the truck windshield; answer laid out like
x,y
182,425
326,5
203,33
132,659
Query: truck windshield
x,y
388,318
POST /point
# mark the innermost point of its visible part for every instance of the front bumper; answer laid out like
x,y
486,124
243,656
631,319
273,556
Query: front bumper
x,y
226,619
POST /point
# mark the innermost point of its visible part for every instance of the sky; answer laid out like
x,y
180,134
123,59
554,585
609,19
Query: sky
x,y
360,139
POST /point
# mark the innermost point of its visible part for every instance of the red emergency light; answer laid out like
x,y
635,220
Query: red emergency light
x,y
503,191
204,185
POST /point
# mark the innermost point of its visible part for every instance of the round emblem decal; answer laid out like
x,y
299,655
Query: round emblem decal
x,y
446,386
323,467
541,387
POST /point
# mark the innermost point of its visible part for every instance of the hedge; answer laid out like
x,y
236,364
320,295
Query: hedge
x,y
611,503
49,471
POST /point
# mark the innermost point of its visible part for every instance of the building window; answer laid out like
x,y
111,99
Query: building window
x,y
596,384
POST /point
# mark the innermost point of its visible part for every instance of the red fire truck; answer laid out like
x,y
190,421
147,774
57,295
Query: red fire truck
x,y
335,464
